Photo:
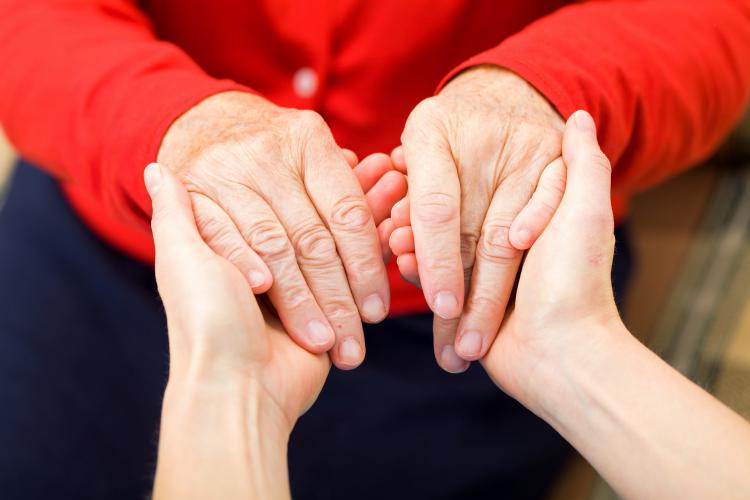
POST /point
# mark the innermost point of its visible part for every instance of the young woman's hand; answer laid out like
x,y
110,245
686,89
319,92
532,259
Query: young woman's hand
x,y
565,287
565,354
237,381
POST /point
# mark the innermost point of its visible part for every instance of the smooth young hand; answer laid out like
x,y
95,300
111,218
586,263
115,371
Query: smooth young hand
x,y
237,381
565,287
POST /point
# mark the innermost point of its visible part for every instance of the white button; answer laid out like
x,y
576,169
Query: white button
x,y
305,82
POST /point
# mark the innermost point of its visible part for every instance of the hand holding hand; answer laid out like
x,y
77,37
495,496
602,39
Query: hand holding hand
x,y
274,195
237,381
475,154
565,287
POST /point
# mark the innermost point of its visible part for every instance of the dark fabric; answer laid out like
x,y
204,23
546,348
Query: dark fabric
x,y
83,362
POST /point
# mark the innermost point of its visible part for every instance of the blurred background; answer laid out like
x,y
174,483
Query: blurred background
x,y
689,298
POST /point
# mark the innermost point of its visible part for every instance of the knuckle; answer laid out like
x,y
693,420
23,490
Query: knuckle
x,y
599,160
596,220
483,301
160,215
340,310
494,244
221,238
295,295
233,252
209,227
602,220
262,142
268,239
553,191
435,208
468,247
314,244
310,121
548,200
351,214
593,158
424,112
440,265
363,270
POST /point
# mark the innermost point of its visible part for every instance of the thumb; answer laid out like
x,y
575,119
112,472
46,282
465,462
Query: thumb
x,y
586,203
172,221
177,241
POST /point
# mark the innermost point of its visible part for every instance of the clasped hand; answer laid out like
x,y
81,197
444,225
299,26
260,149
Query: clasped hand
x,y
275,195
219,335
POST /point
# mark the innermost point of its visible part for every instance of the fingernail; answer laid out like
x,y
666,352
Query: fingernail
x,y
256,278
445,305
451,362
350,352
470,345
152,177
373,308
318,333
584,122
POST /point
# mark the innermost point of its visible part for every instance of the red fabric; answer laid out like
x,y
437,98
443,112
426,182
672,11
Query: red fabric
x,y
89,86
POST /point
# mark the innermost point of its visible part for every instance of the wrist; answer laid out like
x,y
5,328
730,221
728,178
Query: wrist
x,y
225,433
508,89
567,368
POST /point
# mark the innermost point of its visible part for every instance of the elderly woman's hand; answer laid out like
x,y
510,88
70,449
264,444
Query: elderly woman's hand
x,y
272,193
475,154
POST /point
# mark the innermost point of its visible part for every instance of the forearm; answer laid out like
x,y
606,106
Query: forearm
x,y
662,99
648,430
220,439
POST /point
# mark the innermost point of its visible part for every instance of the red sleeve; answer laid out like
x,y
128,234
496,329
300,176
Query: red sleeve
x,y
88,92
665,80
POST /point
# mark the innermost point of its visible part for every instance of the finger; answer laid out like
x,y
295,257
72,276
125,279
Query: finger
x,y
434,194
589,172
536,215
172,222
397,157
384,194
496,264
219,231
402,241
407,266
346,213
371,169
350,157
290,294
400,213
200,290
324,272
385,229
445,354
176,239
319,262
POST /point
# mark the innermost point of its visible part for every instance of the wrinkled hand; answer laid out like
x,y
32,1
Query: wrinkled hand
x,y
274,195
475,156
215,324
237,381
565,287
